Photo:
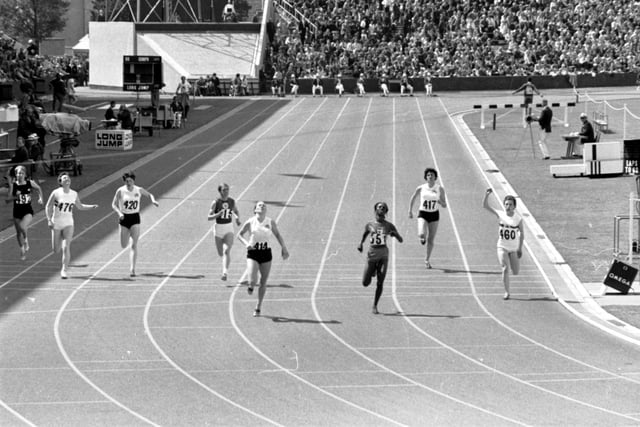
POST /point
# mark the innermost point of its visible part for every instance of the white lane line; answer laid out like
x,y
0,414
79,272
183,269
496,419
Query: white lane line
x,y
316,286
251,344
231,313
483,307
146,159
91,189
541,271
62,309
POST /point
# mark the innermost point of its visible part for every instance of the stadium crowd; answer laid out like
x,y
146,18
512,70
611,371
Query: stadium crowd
x,y
460,38
18,63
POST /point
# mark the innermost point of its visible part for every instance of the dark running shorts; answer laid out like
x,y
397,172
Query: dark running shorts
x,y
260,255
130,220
20,211
429,216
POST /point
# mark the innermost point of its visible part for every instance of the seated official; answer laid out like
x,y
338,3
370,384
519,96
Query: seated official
x,y
124,118
586,133
110,114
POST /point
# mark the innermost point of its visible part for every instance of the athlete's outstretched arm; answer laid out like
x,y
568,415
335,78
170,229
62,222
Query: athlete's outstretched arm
x,y
413,199
486,204
149,195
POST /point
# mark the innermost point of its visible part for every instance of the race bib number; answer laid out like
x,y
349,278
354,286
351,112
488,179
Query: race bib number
x,y
508,233
65,207
430,205
378,238
23,199
226,214
131,205
261,246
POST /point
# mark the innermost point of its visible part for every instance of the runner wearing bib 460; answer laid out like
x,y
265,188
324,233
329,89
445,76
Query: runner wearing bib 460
x,y
510,237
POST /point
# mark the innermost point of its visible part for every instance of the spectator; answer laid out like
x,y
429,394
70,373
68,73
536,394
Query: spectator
x,y
183,91
360,85
59,90
339,86
176,110
405,85
236,85
546,115
71,90
32,48
293,81
124,118
244,86
383,82
316,85
229,12
214,85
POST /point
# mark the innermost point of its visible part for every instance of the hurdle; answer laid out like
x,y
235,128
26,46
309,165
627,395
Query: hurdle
x,y
482,109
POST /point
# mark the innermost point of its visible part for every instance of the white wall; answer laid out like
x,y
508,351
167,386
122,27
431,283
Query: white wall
x,y
108,43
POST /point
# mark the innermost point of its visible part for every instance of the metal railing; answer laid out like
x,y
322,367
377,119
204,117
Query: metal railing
x,y
292,11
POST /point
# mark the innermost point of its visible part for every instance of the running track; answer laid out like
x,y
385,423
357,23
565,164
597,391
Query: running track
x,y
176,346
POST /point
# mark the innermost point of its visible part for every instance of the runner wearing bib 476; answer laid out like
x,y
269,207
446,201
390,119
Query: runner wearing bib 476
x,y
510,237
59,210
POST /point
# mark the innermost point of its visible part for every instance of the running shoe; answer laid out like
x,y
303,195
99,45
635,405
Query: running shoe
x,y
506,296
250,290
423,240
427,264
374,310
224,277
132,274
63,273
26,245
23,254
256,313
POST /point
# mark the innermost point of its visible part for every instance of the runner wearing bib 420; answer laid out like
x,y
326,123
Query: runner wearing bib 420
x,y
130,206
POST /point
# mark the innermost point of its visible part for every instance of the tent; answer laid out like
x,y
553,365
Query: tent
x,y
82,47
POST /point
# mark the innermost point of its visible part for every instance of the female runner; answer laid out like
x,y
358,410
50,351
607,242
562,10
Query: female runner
x,y
378,254
20,192
431,195
59,210
510,237
260,229
223,209
126,203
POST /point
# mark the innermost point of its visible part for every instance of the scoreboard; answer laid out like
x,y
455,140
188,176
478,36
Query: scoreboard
x,y
141,73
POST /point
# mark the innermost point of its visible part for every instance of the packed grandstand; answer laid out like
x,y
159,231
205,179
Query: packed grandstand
x,y
445,39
